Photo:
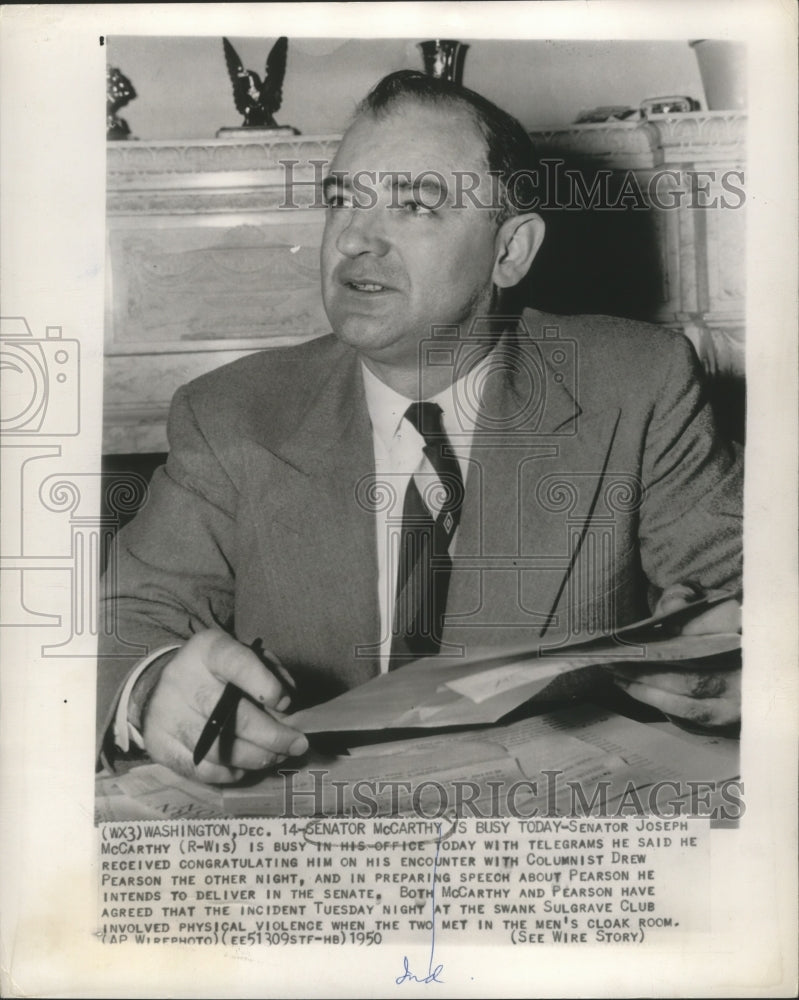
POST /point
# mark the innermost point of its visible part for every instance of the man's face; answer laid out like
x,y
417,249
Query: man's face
x,y
391,267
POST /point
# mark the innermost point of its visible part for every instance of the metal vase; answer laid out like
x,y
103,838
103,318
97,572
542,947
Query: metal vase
x,y
444,58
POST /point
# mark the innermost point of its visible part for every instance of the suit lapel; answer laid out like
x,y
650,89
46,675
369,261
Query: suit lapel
x,y
536,468
313,530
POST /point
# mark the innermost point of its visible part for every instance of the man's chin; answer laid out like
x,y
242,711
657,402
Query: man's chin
x,y
366,335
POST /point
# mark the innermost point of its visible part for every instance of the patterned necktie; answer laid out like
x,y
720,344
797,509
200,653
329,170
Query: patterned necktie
x,y
424,562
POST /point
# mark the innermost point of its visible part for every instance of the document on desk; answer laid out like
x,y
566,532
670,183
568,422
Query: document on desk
x,y
482,688
152,791
589,746
584,745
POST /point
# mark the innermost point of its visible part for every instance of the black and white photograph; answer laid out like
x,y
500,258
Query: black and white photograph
x,y
399,535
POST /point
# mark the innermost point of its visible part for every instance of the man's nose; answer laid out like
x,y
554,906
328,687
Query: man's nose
x,y
364,232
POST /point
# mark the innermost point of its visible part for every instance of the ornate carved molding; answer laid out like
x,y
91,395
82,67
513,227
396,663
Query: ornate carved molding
x,y
210,201
701,137
216,176
138,163
611,144
698,137
234,175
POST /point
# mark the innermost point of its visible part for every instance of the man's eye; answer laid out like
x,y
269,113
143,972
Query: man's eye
x,y
415,208
338,201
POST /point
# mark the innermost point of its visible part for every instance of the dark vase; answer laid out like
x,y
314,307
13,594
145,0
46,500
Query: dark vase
x,y
444,58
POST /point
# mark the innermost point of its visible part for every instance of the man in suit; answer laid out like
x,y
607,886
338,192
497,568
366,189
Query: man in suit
x,y
575,479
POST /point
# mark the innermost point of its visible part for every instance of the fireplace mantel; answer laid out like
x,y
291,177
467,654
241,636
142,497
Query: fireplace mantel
x,y
211,254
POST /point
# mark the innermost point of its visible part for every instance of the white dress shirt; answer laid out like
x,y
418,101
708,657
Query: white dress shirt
x,y
399,456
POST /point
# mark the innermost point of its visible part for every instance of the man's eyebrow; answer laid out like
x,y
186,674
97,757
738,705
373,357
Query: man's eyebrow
x,y
431,187
404,183
397,181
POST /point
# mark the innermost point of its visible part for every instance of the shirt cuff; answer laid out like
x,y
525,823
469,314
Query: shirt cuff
x,y
124,731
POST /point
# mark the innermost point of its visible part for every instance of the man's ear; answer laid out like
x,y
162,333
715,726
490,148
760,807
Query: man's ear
x,y
518,241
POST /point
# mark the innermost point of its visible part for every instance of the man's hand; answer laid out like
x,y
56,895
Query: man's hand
x,y
185,694
704,697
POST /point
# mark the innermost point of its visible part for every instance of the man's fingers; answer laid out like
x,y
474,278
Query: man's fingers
x,y
171,752
724,617
692,684
229,660
254,739
224,763
675,597
241,754
215,774
722,711
267,732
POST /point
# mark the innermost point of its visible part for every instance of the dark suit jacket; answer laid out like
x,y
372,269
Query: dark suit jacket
x,y
596,478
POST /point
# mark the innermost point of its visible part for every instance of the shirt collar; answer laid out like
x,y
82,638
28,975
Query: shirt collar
x,y
387,407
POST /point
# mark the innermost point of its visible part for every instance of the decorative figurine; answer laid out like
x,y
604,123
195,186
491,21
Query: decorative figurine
x,y
668,106
444,58
119,91
258,101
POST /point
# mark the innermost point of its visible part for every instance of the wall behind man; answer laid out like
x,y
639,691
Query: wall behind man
x,y
183,90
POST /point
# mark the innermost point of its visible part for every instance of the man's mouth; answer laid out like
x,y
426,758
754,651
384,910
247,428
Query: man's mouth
x,y
365,286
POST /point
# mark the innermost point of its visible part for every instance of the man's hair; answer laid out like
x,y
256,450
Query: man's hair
x,y
509,150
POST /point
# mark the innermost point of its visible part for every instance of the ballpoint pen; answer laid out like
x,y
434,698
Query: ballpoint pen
x,y
223,711
225,708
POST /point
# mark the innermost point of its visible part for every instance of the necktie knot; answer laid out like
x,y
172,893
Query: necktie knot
x,y
426,418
